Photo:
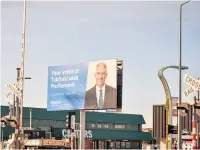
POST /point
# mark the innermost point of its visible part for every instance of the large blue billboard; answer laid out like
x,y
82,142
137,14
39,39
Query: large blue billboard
x,y
82,86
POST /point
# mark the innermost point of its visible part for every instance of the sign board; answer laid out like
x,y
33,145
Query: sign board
x,y
174,106
193,83
8,94
66,133
14,89
188,91
89,86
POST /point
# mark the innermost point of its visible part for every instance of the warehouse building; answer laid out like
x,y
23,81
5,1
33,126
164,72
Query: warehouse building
x,y
103,130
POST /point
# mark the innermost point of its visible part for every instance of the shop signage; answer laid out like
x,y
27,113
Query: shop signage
x,y
66,134
14,89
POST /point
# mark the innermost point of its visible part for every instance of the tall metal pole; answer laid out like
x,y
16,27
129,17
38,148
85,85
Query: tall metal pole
x,y
22,66
82,129
17,99
180,78
30,119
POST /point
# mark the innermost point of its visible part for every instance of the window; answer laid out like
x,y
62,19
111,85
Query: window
x,y
112,144
105,126
93,125
117,144
119,126
128,144
101,144
140,127
98,125
123,144
135,145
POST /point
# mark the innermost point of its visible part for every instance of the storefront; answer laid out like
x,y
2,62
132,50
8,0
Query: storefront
x,y
103,130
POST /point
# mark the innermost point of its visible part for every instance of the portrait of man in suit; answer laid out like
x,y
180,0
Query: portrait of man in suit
x,y
101,95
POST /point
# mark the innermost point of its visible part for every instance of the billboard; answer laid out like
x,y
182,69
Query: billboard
x,y
89,86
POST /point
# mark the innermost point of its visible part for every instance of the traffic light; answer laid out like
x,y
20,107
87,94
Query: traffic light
x,y
9,119
184,107
172,129
67,121
13,121
70,120
3,122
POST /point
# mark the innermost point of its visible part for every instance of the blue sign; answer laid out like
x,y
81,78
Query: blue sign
x,y
66,87
88,86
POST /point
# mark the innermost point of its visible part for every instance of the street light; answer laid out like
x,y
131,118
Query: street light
x,y
168,100
180,65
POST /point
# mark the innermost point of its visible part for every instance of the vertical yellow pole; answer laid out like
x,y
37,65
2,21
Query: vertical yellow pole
x,y
167,120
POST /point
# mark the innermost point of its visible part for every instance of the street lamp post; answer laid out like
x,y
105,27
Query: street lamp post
x,y
168,102
180,78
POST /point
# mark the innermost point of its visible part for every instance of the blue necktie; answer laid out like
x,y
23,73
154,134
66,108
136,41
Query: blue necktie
x,y
100,99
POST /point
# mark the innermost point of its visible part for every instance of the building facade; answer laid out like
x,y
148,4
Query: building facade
x,y
159,121
103,130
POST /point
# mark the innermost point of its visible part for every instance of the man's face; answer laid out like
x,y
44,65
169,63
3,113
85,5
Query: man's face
x,y
100,75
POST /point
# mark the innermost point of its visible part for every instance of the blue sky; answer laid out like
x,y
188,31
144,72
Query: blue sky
x,y
144,34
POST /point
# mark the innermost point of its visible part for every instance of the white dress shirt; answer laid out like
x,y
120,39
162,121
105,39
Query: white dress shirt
x,y
98,93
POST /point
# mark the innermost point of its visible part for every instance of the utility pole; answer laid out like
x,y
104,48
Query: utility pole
x,y
22,66
17,99
180,79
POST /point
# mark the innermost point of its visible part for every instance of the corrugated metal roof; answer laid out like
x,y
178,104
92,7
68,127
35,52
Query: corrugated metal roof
x,y
114,117
42,113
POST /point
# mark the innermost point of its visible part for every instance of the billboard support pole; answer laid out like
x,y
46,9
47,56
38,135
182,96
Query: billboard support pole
x,y
17,101
82,129
72,143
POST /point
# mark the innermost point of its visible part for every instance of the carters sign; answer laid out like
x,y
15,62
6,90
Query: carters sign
x,y
66,134
193,83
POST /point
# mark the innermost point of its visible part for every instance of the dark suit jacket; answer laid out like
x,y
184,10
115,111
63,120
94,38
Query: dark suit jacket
x,y
110,98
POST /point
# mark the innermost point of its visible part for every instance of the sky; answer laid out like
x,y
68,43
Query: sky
x,y
145,35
